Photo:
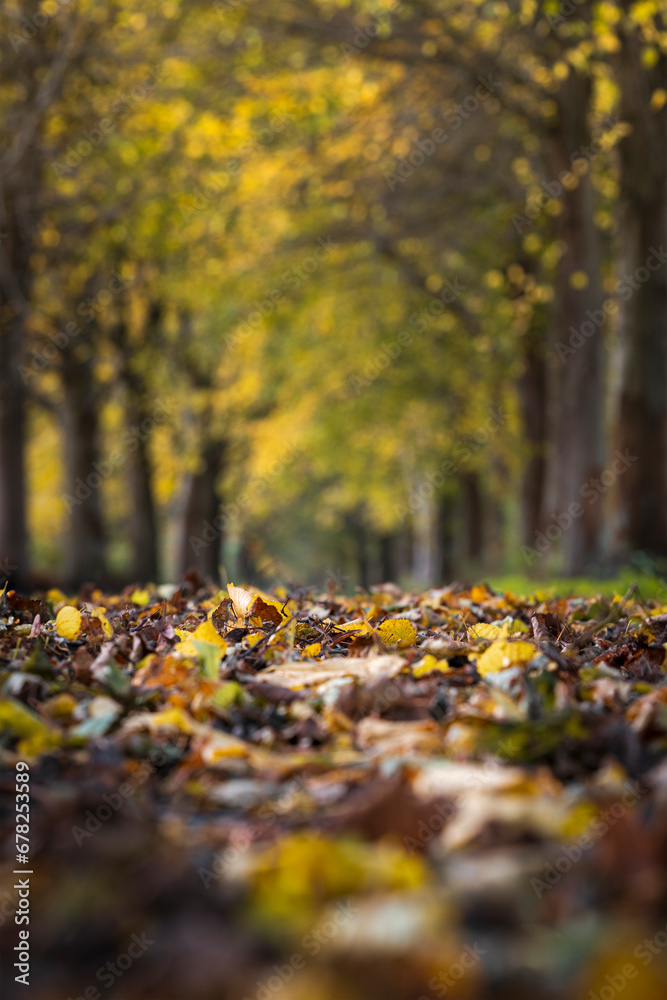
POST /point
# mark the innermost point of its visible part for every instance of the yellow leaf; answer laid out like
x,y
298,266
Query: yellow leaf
x,y
480,593
496,630
205,632
141,597
428,664
104,621
359,626
68,622
35,735
221,745
55,596
503,653
314,649
19,720
170,718
398,632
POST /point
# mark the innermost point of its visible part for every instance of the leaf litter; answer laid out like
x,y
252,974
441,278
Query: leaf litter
x,y
460,791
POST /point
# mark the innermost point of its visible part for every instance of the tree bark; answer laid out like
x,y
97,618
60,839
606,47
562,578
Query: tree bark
x,y
143,521
533,389
248,572
13,531
85,473
359,533
201,537
37,70
139,422
641,422
19,220
474,527
446,540
386,544
424,552
580,349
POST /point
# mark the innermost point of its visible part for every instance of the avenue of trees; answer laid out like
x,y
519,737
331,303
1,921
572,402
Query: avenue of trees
x,y
332,291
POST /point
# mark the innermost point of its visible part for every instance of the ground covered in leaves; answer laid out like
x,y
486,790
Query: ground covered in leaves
x,y
392,796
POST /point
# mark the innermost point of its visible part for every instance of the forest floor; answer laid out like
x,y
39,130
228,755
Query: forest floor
x,y
304,796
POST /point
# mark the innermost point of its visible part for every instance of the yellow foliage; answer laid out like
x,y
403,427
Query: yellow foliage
x,y
104,621
68,622
203,633
35,735
497,630
141,597
399,632
428,664
504,653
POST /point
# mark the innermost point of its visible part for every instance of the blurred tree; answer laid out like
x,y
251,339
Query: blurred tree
x,y
640,65
358,254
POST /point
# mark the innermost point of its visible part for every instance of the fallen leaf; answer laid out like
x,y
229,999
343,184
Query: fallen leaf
x,y
399,632
68,622
503,653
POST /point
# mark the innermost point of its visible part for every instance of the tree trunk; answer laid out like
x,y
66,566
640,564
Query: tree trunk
x,y
201,535
248,572
641,428
19,220
386,545
359,536
424,553
140,421
13,533
84,471
580,443
446,540
143,522
474,528
533,401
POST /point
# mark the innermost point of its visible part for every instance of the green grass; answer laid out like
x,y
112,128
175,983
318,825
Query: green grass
x,y
650,586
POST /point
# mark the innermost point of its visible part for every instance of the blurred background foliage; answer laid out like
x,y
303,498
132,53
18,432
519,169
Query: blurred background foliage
x,y
332,292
